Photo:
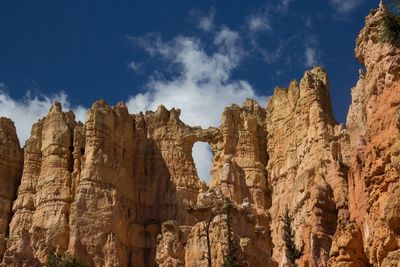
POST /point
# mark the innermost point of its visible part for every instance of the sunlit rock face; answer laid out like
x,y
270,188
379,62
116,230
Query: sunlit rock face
x,y
306,168
122,189
374,132
104,190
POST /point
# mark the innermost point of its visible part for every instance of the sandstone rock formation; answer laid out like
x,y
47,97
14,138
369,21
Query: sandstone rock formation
x,y
11,162
122,189
375,148
306,169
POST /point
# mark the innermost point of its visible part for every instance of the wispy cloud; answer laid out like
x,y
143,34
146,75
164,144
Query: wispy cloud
x,y
136,67
203,82
203,85
258,23
274,54
311,56
264,20
344,7
205,21
27,110
284,5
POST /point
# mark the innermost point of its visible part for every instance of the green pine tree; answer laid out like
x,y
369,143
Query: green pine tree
x,y
56,259
390,29
230,259
292,252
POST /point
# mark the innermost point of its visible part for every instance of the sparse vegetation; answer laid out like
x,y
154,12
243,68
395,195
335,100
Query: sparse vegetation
x,y
391,30
207,231
288,234
391,24
230,259
57,259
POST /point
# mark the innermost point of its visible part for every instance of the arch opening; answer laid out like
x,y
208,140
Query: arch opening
x,y
203,156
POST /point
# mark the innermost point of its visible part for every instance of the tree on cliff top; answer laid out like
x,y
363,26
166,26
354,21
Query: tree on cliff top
x,y
292,252
390,30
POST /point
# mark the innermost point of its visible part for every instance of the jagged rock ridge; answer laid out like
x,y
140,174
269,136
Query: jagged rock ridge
x,y
122,189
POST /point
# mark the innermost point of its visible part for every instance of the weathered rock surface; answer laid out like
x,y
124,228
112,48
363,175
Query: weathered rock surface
x,y
11,162
375,148
122,189
306,167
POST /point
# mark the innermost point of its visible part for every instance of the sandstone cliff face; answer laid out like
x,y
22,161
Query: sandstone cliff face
x,y
306,167
238,174
122,189
11,162
373,127
100,190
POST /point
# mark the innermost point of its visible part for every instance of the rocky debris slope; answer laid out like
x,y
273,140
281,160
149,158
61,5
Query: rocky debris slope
x,y
122,189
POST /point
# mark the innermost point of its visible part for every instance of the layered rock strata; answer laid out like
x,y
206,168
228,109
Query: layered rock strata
x,y
11,162
374,166
307,168
122,189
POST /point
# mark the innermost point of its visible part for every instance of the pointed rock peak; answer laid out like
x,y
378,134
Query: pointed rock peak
x,y
383,7
280,90
175,114
162,113
56,108
250,104
294,85
121,109
99,104
6,121
318,70
121,105
161,109
318,73
371,46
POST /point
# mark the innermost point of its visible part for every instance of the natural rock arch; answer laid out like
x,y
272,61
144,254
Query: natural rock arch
x,y
203,157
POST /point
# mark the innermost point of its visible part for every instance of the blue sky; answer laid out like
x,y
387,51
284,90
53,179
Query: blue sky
x,y
196,55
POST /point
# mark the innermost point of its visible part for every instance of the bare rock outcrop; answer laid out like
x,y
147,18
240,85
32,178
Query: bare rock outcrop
x,y
238,176
374,172
11,162
306,167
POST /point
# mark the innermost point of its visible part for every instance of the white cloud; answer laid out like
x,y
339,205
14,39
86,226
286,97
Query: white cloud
x,y
311,56
273,55
258,23
136,67
27,110
345,6
203,86
204,22
284,5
